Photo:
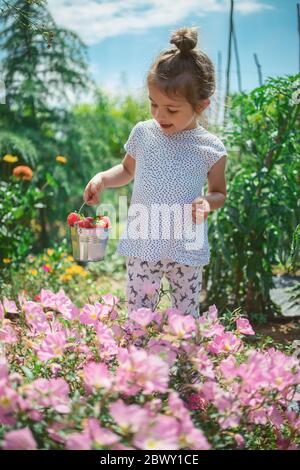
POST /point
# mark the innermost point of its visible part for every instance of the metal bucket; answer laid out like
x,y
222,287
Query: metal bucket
x,y
89,244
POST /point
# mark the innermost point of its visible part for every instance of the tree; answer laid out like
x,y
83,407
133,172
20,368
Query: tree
x,y
38,79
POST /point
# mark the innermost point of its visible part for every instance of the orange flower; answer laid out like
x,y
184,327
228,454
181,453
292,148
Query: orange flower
x,y
61,159
23,172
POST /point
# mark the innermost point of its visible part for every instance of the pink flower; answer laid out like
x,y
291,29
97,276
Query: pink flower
x,y
1,311
99,435
59,302
107,313
8,334
53,432
212,313
133,331
3,369
142,316
189,436
96,376
181,326
210,330
239,440
92,434
139,370
150,288
110,299
161,433
243,326
78,441
9,306
46,268
130,418
35,315
8,403
163,349
226,343
22,439
52,393
229,368
107,344
53,346
204,364
89,314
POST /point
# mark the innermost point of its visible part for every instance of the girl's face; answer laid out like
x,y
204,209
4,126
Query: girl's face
x,y
173,115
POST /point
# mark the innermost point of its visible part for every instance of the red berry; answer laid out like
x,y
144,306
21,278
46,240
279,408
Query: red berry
x,y
89,222
100,224
73,217
86,222
105,218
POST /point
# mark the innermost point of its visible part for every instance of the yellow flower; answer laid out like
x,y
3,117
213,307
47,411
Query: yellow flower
x,y
74,270
61,159
50,251
70,258
7,260
33,272
256,117
35,226
10,158
271,109
65,277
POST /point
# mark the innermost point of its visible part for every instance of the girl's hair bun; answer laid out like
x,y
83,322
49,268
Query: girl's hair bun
x,y
185,39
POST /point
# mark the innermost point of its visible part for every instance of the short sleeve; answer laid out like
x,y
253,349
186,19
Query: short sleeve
x,y
215,151
133,144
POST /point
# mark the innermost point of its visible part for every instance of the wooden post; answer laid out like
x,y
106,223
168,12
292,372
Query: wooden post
x,y
298,15
238,66
219,88
258,69
228,61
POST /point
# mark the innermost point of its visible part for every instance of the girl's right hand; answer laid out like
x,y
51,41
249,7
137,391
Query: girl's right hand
x,y
93,189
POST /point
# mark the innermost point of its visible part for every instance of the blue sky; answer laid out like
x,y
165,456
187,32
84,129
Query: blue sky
x,y
124,36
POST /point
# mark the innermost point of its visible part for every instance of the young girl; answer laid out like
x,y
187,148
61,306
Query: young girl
x,y
170,158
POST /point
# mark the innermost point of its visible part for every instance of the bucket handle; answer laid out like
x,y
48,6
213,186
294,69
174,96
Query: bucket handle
x,y
81,208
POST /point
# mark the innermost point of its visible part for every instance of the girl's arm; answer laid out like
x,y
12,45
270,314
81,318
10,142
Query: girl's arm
x,y
121,174
216,196
116,176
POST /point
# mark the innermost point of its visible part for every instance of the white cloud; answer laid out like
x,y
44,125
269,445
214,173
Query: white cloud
x,y
95,20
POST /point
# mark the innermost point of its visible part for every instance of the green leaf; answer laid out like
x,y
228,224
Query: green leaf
x,y
28,373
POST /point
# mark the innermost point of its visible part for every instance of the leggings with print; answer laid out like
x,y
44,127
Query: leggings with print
x,y
185,282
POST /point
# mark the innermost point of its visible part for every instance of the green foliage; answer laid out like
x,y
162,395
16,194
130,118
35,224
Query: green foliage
x,y
52,268
19,204
18,145
253,231
295,261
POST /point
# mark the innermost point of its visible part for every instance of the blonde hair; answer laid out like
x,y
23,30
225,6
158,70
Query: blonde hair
x,y
184,71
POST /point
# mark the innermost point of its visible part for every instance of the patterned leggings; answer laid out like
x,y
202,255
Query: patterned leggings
x,y
185,282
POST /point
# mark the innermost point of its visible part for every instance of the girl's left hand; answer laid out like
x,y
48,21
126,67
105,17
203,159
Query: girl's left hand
x,y
200,210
